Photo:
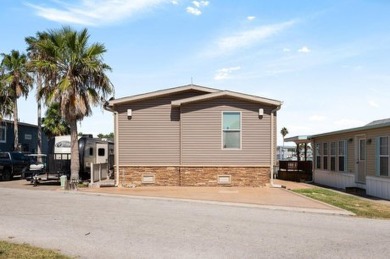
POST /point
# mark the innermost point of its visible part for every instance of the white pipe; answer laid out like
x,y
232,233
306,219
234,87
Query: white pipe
x,y
116,142
116,155
273,148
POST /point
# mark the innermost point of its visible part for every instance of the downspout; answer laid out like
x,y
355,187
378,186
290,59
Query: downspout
x,y
273,149
181,147
116,142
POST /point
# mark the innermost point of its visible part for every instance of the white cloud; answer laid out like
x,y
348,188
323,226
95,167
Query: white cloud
x,y
224,73
248,38
193,10
196,3
197,6
204,3
304,49
251,18
373,104
174,2
94,12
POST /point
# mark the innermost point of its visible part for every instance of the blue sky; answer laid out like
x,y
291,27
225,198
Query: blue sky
x,y
327,60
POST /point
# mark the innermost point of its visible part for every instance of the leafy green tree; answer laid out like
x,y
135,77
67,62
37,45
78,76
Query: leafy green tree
x,y
16,82
284,132
5,100
53,124
76,79
108,136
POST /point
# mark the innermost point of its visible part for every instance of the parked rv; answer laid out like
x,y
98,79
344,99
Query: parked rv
x,y
91,151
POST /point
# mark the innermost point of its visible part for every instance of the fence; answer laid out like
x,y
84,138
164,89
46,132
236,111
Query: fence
x,y
58,163
295,170
99,172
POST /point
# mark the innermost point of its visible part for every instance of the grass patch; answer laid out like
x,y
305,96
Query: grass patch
x,y
82,185
24,251
361,207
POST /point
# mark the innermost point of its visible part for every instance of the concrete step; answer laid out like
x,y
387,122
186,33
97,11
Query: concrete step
x,y
105,183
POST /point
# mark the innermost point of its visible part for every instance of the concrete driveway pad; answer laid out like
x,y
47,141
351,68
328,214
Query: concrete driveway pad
x,y
265,197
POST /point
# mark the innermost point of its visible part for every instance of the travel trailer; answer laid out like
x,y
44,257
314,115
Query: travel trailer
x,y
91,150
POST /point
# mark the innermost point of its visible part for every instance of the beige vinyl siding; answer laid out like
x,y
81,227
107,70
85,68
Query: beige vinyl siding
x,y
350,161
151,135
202,133
371,148
350,137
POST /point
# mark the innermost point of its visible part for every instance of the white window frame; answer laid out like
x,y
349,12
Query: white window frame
x,y
343,144
223,130
4,129
388,156
318,155
325,166
333,155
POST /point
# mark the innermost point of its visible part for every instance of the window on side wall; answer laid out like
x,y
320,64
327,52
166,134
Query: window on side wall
x,y
384,156
101,152
231,130
341,155
318,156
325,155
333,156
3,137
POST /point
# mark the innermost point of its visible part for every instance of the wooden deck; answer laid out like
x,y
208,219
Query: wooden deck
x,y
295,171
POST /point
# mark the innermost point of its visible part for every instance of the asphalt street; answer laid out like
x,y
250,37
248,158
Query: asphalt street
x,y
107,226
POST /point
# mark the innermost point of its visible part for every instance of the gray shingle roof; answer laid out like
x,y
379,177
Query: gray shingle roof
x,y
378,122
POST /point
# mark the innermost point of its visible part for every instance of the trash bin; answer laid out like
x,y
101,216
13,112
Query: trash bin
x,y
64,182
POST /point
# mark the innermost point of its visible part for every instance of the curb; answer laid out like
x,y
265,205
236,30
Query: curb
x,y
321,202
336,211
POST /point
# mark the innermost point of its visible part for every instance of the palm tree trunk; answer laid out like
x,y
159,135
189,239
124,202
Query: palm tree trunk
x,y
39,111
39,140
74,157
16,130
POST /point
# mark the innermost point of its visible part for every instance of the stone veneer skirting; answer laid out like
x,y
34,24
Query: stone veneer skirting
x,y
192,176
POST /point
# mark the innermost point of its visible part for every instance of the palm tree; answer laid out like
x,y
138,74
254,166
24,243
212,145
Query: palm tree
x,y
284,132
16,82
53,124
75,78
34,53
6,103
5,100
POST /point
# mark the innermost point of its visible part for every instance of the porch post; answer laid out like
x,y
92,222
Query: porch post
x,y
305,151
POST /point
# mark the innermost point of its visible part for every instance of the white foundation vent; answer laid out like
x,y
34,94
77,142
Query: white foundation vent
x,y
224,179
148,178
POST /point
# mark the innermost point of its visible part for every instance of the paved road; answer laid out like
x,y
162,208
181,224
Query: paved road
x,y
101,226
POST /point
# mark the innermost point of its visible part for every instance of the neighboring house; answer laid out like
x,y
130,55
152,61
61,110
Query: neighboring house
x,y
286,152
290,153
194,136
357,157
28,137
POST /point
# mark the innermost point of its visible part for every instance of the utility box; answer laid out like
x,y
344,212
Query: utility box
x,y
64,182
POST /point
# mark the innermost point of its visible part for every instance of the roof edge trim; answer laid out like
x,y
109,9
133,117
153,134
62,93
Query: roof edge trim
x,y
258,99
161,92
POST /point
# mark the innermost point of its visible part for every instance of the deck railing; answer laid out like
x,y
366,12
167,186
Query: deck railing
x,y
295,170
